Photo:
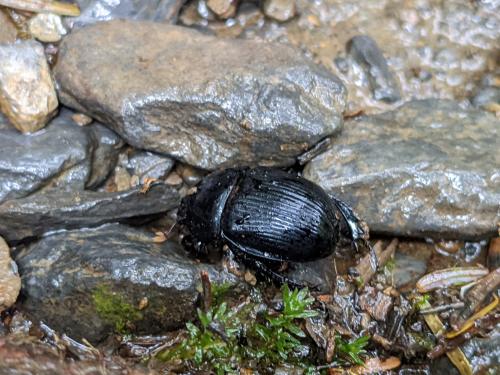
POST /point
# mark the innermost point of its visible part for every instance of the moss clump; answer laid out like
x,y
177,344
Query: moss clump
x,y
114,309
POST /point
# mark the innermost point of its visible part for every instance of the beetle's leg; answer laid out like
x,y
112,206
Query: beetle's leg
x,y
262,268
357,228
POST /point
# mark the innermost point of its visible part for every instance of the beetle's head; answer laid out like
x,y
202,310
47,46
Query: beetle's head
x,y
200,214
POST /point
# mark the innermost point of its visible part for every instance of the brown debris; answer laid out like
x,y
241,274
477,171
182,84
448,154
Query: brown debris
x,y
494,253
375,303
478,294
365,268
376,365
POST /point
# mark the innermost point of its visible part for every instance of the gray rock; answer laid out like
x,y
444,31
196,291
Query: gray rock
x,y
427,169
486,96
89,283
366,52
62,155
105,10
24,355
407,269
144,164
55,209
209,102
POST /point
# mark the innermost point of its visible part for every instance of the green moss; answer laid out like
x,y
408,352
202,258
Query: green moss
x,y
114,309
225,339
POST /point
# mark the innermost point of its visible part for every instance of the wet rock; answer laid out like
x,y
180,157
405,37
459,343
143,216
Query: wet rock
x,y
190,175
55,209
407,269
486,96
89,283
22,355
27,94
366,53
63,155
10,282
208,102
93,11
484,352
47,27
8,31
146,165
280,10
223,8
427,169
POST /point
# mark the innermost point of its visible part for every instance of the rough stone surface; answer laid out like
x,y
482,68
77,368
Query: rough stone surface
x,y
24,355
280,10
47,27
486,96
10,282
104,10
428,169
144,164
64,276
206,101
8,31
367,53
56,209
27,94
63,155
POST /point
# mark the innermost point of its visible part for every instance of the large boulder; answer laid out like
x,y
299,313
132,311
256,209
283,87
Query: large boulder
x,y
206,101
428,169
90,283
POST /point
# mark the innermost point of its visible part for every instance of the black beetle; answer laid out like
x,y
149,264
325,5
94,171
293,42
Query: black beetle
x,y
266,216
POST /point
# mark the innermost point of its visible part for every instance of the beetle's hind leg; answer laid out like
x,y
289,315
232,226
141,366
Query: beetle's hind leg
x,y
264,269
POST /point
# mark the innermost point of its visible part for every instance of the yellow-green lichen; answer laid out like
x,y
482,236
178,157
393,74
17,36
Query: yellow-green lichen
x,y
114,309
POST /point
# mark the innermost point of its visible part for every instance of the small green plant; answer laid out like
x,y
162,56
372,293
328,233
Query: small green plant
x,y
422,302
280,333
351,351
224,339
206,344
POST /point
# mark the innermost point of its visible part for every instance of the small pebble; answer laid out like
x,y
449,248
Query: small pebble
x,y
173,179
190,175
27,93
82,119
223,8
47,27
10,282
280,10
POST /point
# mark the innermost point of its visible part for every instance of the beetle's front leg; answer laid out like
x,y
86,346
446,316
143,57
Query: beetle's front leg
x,y
357,228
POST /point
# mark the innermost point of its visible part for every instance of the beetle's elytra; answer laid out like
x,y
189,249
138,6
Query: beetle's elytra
x,y
265,215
